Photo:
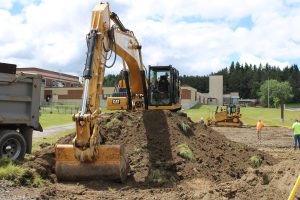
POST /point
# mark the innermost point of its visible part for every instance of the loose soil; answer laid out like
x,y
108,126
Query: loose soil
x,y
220,168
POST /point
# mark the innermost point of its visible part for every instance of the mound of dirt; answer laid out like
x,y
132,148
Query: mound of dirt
x,y
152,140
44,161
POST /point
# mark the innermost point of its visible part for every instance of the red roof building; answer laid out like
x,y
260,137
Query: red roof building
x,y
52,78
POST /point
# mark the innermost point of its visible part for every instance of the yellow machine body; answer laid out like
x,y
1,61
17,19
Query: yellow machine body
x,y
86,158
117,103
228,116
175,107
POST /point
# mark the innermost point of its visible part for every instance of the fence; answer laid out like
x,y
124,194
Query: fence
x,y
60,109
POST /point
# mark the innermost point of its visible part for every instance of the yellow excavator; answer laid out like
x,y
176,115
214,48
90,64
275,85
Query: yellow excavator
x,y
228,116
86,158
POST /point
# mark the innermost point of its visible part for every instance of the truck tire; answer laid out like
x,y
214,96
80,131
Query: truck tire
x,y
12,145
27,133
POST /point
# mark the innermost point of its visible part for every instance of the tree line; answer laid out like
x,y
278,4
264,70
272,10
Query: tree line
x,y
247,79
243,78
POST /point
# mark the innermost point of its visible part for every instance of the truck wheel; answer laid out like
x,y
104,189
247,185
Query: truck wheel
x,y
12,145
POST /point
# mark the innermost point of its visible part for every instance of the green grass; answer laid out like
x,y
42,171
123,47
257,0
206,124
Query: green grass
x,y
185,128
48,120
19,175
112,123
52,139
64,106
198,111
11,171
269,116
255,161
155,174
250,115
185,152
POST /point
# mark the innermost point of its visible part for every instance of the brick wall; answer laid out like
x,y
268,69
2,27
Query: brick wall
x,y
72,94
185,94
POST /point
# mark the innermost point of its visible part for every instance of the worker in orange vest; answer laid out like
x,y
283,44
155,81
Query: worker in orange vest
x,y
259,127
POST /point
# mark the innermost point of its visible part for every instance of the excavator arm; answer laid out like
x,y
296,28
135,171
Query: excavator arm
x,y
86,159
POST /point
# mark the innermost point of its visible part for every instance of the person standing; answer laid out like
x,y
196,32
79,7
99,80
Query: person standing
x,y
296,129
259,127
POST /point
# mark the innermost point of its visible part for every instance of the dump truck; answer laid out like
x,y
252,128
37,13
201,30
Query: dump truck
x,y
19,111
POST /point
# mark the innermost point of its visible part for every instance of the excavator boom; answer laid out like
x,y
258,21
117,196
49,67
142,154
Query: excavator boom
x,y
86,159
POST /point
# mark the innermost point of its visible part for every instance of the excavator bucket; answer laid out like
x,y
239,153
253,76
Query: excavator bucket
x,y
111,164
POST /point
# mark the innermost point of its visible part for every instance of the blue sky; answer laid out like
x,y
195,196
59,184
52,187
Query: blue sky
x,y
196,36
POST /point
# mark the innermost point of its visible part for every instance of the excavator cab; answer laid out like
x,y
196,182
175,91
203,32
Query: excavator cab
x,y
163,88
163,91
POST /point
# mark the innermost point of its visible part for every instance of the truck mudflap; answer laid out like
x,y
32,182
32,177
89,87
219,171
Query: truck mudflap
x,y
38,128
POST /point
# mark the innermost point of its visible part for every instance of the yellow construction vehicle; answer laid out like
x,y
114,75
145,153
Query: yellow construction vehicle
x,y
226,116
162,91
87,158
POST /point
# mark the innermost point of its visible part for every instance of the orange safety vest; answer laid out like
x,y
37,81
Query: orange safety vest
x,y
259,125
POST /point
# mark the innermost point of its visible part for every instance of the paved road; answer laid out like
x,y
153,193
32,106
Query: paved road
x,y
52,130
293,109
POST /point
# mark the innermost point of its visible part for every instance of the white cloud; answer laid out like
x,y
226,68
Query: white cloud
x,y
196,36
257,60
6,4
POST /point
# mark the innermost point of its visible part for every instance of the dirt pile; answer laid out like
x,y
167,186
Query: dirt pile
x,y
44,161
152,140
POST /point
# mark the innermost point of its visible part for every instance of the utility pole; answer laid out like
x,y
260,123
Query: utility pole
x,y
268,93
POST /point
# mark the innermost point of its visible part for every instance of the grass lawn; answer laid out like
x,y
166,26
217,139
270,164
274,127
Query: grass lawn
x,y
52,139
55,119
250,115
48,119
